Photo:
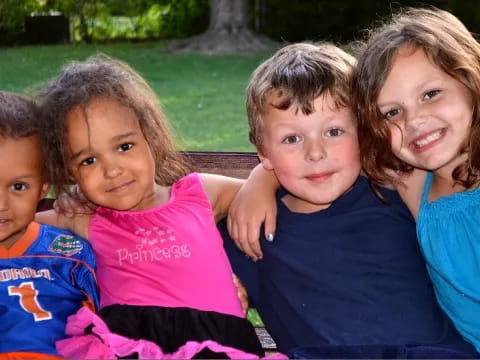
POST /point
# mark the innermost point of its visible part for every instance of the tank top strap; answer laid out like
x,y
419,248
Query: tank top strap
x,y
426,188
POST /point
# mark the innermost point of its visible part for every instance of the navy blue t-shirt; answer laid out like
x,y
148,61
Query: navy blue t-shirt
x,y
351,274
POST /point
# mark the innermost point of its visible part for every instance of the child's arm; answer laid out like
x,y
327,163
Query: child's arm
x,y
241,293
220,190
255,203
77,224
411,188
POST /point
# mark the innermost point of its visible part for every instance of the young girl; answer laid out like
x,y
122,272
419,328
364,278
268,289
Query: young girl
x,y
417,99
165,283
417,92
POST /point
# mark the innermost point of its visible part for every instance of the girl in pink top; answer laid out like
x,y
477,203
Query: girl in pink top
x,y
165,282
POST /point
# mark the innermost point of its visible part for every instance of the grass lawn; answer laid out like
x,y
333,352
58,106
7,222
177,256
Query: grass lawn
x,y
202,95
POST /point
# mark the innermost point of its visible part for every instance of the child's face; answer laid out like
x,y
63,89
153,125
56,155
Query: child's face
x,y
315,157
429,111
21,186
109,156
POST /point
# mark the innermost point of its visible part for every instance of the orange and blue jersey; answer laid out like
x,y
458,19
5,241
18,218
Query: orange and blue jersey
x,y
45,276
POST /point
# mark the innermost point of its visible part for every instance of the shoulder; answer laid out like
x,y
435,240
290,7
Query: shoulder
x,y
411,189
375,201
190,182
62,242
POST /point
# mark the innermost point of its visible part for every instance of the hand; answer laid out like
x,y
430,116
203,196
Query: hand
x,y
73,203
241,293
254,204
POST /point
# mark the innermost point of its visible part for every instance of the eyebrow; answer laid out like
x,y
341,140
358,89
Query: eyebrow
x,y
417,88
114,139
25,177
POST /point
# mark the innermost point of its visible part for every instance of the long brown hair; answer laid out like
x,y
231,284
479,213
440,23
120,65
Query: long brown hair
x,y
100,76
448,44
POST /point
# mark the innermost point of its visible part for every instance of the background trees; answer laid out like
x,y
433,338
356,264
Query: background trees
x,y
228,25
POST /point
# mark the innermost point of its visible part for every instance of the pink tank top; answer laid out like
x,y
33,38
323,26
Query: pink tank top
x,y
171,255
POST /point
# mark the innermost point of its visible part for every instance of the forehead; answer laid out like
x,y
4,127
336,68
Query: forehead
x,y
409,62
21,156
325,107
101,119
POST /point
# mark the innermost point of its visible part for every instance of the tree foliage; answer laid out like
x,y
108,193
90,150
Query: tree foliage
x,y
95,20
281,20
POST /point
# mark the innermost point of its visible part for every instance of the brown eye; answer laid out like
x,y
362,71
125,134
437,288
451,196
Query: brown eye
x,y
431,94
88,161
125,147
19,187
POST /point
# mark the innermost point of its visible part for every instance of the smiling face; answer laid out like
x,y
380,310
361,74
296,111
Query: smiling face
x,y
109,156
430,112
315,157
22,186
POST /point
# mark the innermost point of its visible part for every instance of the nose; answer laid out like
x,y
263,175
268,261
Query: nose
x,y
112,169
4,206
315,150
415,120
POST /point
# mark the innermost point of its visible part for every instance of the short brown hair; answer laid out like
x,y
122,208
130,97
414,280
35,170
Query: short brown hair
x,y
299,73
449,45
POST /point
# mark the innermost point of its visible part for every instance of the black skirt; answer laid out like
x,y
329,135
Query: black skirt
x,y
171,328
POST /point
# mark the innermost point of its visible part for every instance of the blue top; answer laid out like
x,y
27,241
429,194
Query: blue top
x,y
449,234
351,274
46,276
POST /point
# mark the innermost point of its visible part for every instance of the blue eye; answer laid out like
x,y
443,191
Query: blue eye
x,y
431,94
335,132
19,187
125,147
88,161
291,139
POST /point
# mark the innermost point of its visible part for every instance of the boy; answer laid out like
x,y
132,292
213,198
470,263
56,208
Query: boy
x,y
46,274
344,276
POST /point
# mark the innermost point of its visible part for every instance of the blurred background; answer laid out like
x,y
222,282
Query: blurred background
x,y
196,54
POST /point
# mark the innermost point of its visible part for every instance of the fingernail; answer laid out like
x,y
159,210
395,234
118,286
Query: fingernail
x,y
270,237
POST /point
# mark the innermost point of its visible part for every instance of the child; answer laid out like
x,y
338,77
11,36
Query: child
x,y
344,276
46,274
417,92
165,281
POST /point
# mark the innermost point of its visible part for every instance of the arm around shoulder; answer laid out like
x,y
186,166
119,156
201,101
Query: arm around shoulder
x,y
411,188
221,190
77,224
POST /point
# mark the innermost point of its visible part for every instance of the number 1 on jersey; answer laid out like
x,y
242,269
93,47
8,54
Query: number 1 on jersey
x,y
29,301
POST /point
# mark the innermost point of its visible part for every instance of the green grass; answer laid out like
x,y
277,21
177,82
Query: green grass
x,y
203,96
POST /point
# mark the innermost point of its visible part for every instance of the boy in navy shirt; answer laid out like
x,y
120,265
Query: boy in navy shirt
x,y
344,276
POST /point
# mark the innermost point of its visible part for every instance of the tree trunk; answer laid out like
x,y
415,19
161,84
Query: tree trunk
x,y
228,32
83,23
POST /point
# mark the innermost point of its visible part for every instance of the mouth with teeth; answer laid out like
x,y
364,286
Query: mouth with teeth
x,y
427,141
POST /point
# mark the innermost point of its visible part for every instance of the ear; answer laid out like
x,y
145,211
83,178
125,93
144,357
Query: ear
x,y
44,192
267,165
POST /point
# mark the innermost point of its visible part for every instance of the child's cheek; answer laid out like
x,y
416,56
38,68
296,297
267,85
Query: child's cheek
x,y
397,139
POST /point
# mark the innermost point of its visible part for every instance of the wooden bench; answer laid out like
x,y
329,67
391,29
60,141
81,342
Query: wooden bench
x,y
235,164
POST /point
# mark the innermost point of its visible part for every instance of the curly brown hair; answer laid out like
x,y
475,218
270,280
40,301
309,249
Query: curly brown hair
x,y
101,76
18,116
448,44
298,73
